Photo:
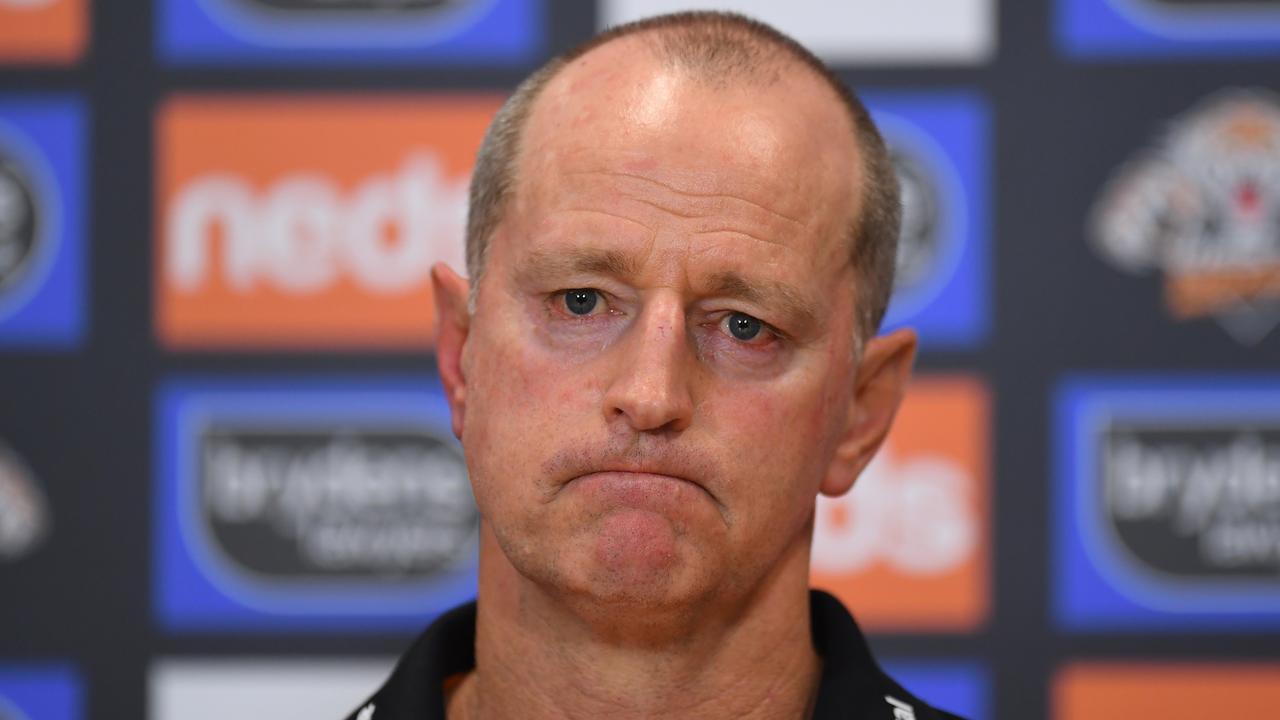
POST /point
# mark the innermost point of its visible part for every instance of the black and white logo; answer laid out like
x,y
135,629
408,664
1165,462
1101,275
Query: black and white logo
x,y
19,222
918,242
1196,502
335,503
24,512
1202,207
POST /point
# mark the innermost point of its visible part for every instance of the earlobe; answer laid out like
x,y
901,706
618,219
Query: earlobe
x,y
881,382
453,323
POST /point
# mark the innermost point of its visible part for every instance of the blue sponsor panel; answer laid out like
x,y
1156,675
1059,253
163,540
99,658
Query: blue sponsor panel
x,y
42,206
1166,509
961,688
939,143
337,504
1170,28
433,32
40,692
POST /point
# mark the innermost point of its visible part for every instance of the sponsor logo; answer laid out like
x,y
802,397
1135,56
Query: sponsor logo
x,y
358,32
1201,501
333,501
267,242
1128,28
1090,690
907,548
1202,207
52,31
918,242
937,142
40,692
24,511
19,217
1170,502
244,687
41,221
323,505
857,31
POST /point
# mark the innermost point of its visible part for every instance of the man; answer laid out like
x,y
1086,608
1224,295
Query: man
x,y
680,247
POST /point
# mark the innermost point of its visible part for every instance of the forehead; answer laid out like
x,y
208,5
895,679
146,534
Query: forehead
x,y
777,147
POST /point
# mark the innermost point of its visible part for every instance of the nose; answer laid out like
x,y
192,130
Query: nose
x,y
650,388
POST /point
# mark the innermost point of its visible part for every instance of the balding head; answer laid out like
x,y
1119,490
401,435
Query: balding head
x,y
720,51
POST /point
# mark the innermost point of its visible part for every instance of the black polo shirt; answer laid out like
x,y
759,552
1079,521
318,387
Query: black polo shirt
x,y
853,687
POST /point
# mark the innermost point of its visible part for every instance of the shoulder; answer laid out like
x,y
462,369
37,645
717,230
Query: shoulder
x,y
853,684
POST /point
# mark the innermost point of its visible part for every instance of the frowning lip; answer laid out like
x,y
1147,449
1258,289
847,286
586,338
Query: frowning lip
x,y
635,485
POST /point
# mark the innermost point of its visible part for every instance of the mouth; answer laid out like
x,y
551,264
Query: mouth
x,y
639,488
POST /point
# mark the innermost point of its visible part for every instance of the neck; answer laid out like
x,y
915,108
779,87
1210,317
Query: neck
x,y
537,657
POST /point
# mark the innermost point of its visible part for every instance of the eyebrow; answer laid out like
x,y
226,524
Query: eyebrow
x,y
578,261
768,293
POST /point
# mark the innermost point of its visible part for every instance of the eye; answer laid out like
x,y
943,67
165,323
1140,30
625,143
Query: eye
x,y
581,301
744,327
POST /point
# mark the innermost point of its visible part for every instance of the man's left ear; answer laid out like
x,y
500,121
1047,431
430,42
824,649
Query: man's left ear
x,y
879,385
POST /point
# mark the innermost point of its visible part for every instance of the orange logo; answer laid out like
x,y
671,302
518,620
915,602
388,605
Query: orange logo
x,y
43,30
907,548
1114,691
309,222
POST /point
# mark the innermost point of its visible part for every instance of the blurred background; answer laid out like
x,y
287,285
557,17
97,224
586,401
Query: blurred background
x,y
227,482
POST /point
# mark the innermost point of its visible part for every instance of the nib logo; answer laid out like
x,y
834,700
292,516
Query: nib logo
x,y
310,222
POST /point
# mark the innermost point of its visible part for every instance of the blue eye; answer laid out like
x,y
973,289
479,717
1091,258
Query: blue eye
x,y
581,301
744,327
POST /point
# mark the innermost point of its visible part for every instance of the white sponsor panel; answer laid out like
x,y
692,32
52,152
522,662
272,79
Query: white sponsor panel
x,y
855,31
293,689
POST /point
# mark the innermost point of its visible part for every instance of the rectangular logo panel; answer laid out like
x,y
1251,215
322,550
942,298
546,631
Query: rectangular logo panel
x,y
959,688
1173,28
339,504
906,32
313,222
939,144
1115,691
43,31
40,692
1167,504
907,550
357,32
217,689
42,221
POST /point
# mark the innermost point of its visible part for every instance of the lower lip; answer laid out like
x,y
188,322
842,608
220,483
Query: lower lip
x,y
639,490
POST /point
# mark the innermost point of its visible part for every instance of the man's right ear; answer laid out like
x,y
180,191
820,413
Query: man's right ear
x,y
453,322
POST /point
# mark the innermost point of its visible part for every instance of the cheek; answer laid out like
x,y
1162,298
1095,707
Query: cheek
x,y
521,400
778,452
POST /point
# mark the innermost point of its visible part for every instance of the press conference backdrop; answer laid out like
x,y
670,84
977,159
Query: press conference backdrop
x,y
227,482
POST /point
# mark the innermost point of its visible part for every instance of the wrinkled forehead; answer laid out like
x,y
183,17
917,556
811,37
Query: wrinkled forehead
x,y
783,140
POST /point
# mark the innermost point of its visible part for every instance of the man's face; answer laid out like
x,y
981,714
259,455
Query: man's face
x,y
661,363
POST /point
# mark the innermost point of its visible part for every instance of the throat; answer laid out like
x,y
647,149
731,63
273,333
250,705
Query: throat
x,y
743,671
